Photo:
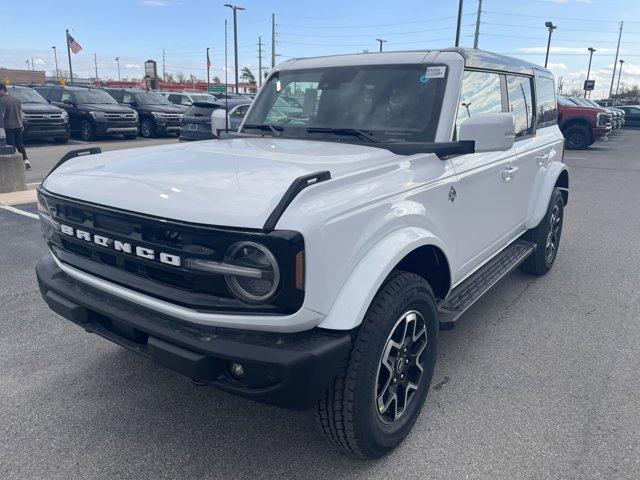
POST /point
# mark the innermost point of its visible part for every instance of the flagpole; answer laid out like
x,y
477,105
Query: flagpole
x,y
69,55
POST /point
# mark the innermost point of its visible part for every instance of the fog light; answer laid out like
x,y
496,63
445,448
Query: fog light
x,y
236,370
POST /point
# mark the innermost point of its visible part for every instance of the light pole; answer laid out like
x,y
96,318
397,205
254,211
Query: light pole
x,y
551,28
381,41
459,24
118,62
27,62
619,75
591,50
235,9
69,54
208,67
55,56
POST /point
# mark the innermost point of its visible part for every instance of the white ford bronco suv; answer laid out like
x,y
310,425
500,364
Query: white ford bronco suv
x,y
309,259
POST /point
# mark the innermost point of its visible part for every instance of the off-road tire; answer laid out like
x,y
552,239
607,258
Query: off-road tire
x,y
577,137
347,413
539,263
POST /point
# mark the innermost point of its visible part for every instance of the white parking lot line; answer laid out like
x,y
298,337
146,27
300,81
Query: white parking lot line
x,y
19,212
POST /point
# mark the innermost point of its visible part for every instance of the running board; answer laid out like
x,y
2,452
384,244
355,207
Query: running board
x,y
464,295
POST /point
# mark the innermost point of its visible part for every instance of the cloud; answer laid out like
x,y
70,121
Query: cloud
x,y
38,61
556,66
154,3
569,1
132,66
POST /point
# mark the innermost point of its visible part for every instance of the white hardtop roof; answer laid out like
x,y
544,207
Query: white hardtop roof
x,y
473,58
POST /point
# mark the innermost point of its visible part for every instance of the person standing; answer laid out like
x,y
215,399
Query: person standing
x,y
13,122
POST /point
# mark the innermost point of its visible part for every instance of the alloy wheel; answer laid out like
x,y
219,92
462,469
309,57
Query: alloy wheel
x,y
401,366
553,237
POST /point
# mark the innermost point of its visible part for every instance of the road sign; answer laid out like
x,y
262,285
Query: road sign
x,y
217,88
589,85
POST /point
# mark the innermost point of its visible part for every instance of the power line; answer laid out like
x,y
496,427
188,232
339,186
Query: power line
x,y
374,26
368,35
555,17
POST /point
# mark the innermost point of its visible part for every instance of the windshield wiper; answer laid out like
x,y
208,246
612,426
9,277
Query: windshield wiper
x,y
273,128
344,131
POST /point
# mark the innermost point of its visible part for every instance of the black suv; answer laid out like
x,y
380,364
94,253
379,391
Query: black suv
x,y
41,119
92,112
158,116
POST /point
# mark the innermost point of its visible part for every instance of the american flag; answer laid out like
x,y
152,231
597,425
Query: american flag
x,y
73,45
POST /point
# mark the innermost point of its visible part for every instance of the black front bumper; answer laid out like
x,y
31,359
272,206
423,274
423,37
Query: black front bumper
x,y
40,131
289,370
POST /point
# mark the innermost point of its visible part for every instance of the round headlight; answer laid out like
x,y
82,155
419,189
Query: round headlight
x,y
258,287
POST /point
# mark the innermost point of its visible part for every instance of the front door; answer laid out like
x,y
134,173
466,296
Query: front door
x,y
485,217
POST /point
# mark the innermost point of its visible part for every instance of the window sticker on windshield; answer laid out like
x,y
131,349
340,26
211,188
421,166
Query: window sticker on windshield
x,y
435,72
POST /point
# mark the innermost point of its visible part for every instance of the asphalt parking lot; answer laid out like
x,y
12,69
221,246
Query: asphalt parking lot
x,y
540,380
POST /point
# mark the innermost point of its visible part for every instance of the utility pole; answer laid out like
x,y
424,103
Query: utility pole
x,y
619,75
615,63
164,72
259,62
208,68
459,24
591,50
381,41
118,62
478,16
235,9
226,81
69,55
95,63
273,40
55,56
33,65
551,28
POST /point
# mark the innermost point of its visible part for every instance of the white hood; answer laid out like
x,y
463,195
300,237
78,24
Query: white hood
x,y
235,182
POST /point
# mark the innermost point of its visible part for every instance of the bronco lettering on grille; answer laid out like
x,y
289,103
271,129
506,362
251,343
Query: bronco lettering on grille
x,y
125,247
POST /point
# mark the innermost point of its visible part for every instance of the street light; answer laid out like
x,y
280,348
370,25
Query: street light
x,y
551,28
619,75
118,62
235,9
591,50
55,56
27,62
381,42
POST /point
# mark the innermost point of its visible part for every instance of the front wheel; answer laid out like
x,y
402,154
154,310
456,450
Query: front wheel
x,y
87,132
546,236
377,396
577,137
147,128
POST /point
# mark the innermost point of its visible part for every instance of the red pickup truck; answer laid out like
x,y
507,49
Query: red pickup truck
x,y
580,125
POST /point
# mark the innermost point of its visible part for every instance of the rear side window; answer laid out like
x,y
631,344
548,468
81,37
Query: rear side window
x,y
546,101
480,93
520,103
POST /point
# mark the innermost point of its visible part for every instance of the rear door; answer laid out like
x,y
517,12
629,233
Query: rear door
x,y
485,215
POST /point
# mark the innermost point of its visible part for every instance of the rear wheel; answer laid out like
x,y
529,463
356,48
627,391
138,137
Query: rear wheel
x,y
546,236
578,137
377,396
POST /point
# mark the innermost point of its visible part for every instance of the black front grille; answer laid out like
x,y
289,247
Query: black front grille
x,y
179,285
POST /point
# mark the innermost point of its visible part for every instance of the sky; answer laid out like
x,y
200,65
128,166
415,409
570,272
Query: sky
x,y
137,30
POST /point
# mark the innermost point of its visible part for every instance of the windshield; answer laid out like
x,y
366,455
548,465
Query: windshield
x,y
26,95
93,96
151,98
386,103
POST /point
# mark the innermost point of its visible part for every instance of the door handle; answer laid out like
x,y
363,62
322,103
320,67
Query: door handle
x,y
508,173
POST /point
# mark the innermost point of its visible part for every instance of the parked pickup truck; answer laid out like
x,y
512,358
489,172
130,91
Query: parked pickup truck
x,y
582,125
310,261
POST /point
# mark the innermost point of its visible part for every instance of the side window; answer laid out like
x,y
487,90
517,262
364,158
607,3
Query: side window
x,y
520,103
173,98
66,96
240,111
546,101
480,93
55,95
125,98
185,100
117,95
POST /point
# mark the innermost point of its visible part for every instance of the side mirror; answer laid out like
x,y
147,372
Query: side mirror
x,y
219,119
491,132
